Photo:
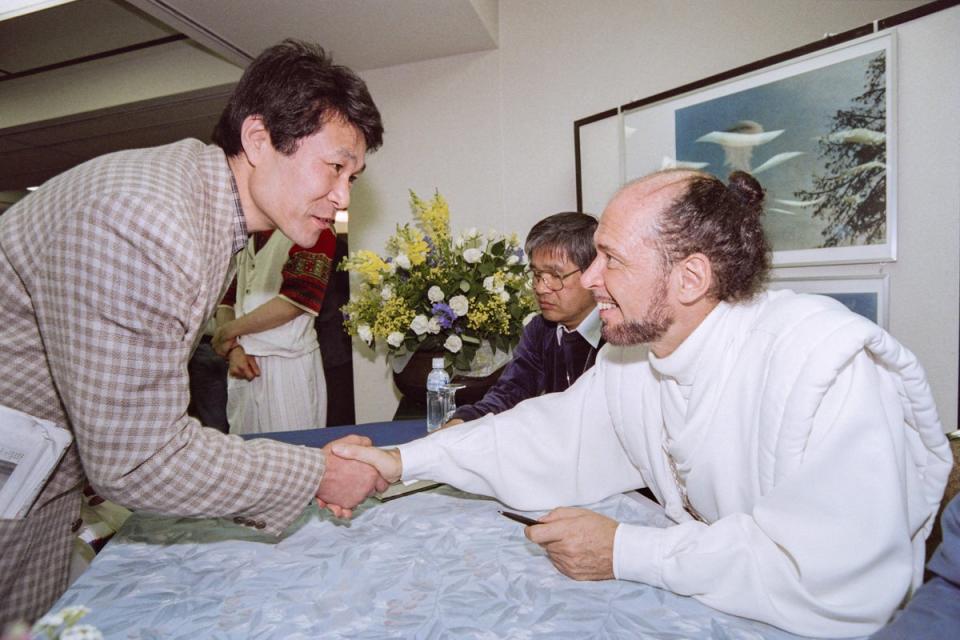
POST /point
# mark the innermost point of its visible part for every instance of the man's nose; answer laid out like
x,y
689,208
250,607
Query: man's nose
x,y
591,279
340,194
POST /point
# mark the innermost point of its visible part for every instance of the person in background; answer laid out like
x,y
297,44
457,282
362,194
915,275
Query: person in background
x,y
109,273
265,331
208,383
934,611
795,444
335,343
561,343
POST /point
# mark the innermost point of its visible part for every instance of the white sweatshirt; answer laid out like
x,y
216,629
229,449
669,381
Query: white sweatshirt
x,y
805,436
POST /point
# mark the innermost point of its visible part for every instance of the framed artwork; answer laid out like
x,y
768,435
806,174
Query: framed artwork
x,y
598,142
818,132
867,295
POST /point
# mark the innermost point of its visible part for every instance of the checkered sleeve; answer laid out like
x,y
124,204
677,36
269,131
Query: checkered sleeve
x,y
117,311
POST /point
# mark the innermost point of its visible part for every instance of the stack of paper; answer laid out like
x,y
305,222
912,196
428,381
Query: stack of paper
x,y
30,449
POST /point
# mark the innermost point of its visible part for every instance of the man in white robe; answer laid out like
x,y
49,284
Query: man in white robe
x,y
795,444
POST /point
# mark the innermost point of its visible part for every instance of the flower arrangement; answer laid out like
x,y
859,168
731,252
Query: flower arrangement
x,y
61,625
436,292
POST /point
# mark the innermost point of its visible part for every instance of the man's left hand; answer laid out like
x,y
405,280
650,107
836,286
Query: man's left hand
x,y
579,542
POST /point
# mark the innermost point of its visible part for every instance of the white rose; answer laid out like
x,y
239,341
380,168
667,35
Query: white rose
x,y
395,339
530,316
433,326
473,256
435,293
464,286
488,284
81,632
419,325
472,232
403,261
453,344
504,296
513,259
458,243
364,333
459,305
386,293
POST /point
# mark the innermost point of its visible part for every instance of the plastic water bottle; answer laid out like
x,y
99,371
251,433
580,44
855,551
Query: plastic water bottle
x,y
435,409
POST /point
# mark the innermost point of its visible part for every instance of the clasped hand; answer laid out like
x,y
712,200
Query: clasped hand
x,y
354,456
346,482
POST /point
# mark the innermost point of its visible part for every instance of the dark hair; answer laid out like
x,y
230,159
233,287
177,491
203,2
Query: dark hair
x,y
569,233
723,223
295,87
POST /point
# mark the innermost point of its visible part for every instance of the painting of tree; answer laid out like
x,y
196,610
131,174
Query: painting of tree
x,y
851,194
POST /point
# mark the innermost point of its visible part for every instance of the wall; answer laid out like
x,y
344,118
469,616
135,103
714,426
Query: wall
x,y
494,132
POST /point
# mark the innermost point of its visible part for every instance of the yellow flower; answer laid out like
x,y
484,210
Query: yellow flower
x,y
490,316
394,315
369,265
410,242
433,216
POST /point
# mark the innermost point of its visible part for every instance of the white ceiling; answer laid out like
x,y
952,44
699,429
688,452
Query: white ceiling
x,y
362,34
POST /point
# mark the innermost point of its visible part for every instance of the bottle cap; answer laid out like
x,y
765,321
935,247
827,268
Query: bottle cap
x,y
438,363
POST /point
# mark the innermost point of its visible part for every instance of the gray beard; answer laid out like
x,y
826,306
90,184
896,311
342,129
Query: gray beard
x,y
653,327
633,332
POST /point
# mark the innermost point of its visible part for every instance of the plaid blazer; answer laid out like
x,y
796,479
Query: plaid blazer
x,y
107,275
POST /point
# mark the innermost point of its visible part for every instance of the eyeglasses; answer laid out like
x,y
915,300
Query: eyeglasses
x,y
554,281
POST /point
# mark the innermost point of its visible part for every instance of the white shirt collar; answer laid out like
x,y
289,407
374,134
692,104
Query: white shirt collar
x,y
589,328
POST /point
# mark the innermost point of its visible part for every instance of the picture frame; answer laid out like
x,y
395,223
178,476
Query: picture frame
x,y
818,132
816,126
867,295
598,152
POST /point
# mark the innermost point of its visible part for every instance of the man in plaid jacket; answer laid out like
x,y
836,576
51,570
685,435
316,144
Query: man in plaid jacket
x,y
108,274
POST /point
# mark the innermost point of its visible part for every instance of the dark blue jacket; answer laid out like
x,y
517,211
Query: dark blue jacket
x,y
934,611
539,365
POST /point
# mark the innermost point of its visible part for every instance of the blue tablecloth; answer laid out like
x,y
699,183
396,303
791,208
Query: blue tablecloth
x,y
441,564
382,433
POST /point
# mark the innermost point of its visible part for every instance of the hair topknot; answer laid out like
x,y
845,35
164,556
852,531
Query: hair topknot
x,y
747,190
724,223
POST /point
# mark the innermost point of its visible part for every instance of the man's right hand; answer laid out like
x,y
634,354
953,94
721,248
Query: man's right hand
x,y
347,482
385,461
452,423
242,365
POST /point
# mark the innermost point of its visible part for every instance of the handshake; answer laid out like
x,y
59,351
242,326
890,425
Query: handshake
x,y
353,472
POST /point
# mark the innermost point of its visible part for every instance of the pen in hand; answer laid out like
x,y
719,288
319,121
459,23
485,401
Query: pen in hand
x,y
519,518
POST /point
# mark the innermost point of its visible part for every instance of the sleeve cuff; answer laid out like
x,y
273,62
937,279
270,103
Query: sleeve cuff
x,y
299,305
417,458
637,553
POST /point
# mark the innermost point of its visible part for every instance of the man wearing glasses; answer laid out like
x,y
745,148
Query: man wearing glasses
x,y
561,343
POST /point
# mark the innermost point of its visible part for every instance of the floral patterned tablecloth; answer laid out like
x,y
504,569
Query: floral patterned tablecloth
x,y
440,564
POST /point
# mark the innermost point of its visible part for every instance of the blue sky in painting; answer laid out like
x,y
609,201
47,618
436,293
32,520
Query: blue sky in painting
x,y
801,105
863,303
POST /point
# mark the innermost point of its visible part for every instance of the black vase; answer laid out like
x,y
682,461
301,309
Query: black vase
x,y
412,380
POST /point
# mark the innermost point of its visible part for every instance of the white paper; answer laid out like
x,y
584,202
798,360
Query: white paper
x,y
30,449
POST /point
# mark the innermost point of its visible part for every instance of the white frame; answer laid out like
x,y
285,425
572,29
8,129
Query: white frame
x,y
878,283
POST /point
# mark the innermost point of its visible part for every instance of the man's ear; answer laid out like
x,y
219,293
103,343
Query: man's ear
x,y
254,138
694,278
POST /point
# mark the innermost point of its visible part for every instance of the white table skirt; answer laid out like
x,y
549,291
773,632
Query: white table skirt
x,y
441,564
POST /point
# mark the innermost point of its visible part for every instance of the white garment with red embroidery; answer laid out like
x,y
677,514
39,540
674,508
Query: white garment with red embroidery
x,y
290,392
